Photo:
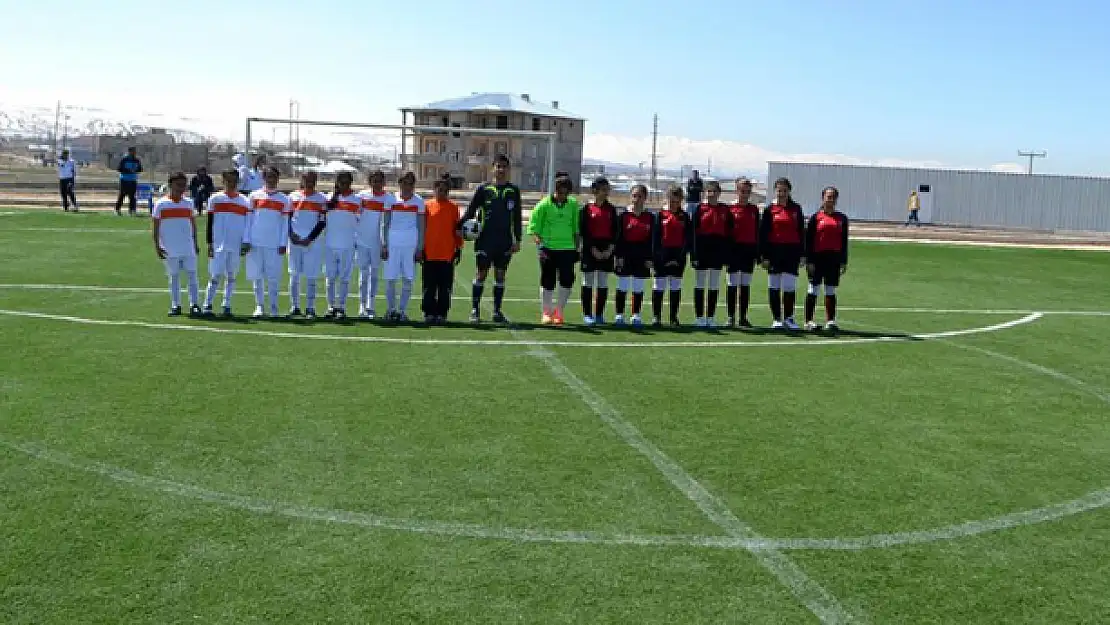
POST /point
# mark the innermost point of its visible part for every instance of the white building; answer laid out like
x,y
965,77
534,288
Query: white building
x,y
955,197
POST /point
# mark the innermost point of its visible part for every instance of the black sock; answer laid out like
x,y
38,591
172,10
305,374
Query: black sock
x,y
676,299
602,299
830,307
498,296
773,295
788,304
657,304
587,301
637,303
745,298
711,303
476,295
621,297
730,305
699,303
811,306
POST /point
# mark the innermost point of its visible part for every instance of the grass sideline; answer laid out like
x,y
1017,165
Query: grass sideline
x,y
152,476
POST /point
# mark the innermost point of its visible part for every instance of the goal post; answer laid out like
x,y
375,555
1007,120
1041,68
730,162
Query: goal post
x,y
410,136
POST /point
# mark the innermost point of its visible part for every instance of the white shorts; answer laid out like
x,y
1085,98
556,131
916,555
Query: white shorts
x,y
176,264
369,256
339,263
401,264
225,263
263,263
306,261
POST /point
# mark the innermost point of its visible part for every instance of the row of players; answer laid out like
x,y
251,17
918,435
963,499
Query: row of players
x,y
376,228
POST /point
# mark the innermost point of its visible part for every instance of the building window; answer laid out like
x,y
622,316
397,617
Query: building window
x,y
446,121
455,134
501,147
534,151
536,123
503,121
429,146
533,180
456,156
483,122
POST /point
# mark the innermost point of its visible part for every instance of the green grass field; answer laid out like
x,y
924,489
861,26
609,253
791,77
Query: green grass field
x,y
942,461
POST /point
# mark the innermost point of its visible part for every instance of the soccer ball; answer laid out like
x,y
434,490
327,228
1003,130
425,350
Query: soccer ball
x,y
471,228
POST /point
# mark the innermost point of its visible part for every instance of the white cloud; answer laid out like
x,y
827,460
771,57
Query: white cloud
x,y
1010,168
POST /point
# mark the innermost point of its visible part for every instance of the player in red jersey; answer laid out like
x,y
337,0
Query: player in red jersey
x,y
743,254
674,236
826,257
598,226
712,225
635,237
781,245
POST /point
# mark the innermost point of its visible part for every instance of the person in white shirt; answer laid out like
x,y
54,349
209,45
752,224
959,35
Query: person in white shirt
x,y
175,241
226,238
268,236
402,245
251,179
339,239
67,180
368,242
306,256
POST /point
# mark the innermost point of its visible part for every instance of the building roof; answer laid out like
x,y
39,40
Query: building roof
x,y
506,102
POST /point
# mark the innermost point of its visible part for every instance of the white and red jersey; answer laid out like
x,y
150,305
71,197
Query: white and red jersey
x,y
404,218
268,220
175,226
229,220
370,219
308,210
343,222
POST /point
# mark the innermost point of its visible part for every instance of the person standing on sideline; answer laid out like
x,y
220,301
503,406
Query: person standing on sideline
x,y
339,243
201,188
306,255
914,206
826,257
695,186
635,237
226,236
712,225
674,238
175,240
599,223
743,255
250,180
555,230
368,242
497,207
67,180
442,252
129,169
781,245
403,227
268,238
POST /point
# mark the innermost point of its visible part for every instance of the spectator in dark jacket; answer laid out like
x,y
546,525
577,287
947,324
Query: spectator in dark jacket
x,y
129,169
201,187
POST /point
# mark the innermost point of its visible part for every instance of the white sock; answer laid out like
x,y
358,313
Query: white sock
x,y
330,285
390,295
295,291
194,288
364,288
374,280
547,297
406,293
564,297
229,290
259,298
210,294
310,293
272,291
175,290
344,289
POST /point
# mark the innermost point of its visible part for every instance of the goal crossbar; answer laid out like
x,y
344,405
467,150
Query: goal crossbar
x,y
545,134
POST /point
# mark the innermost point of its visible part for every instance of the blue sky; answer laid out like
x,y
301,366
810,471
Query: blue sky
x,y
962,83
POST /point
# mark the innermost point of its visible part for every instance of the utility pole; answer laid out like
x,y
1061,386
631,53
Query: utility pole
x,y
57,118
1032,155
709,166
654,154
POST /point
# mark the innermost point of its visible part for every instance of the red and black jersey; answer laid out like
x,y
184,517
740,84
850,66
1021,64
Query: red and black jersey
x,y
637,229
745,223
597,224
827,233
712,220
673,230
782,225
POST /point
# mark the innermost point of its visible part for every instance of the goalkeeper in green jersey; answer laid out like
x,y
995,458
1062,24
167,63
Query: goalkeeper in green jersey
x,y
554,228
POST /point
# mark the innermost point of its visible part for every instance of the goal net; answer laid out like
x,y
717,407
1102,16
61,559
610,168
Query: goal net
x,y
464,154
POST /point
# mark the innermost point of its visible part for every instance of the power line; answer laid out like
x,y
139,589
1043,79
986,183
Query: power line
x,y
1031,156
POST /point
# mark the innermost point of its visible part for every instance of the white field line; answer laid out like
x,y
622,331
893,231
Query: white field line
x,y
807,591
535,300
662,344
1074,247
81,230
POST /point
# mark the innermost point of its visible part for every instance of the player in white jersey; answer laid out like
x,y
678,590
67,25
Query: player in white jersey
x,y
175,240
268,236
227,225
368,242
306,255
339,242
402,245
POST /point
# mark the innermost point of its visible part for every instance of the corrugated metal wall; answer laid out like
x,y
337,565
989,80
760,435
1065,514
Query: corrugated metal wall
x,y
966,198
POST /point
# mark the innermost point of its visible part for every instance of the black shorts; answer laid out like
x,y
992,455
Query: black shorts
x,y
633,266
671,263
712,253
591,264
498,259
783,258
557,267
742,257
826,269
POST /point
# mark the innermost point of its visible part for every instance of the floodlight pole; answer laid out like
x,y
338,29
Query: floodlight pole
x,y
1032,155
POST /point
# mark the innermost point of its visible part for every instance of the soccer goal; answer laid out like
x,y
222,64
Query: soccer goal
x,y
465,154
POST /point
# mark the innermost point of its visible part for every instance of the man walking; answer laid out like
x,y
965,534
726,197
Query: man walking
x,y
695,186
67,179
201,187
914,207
129,169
